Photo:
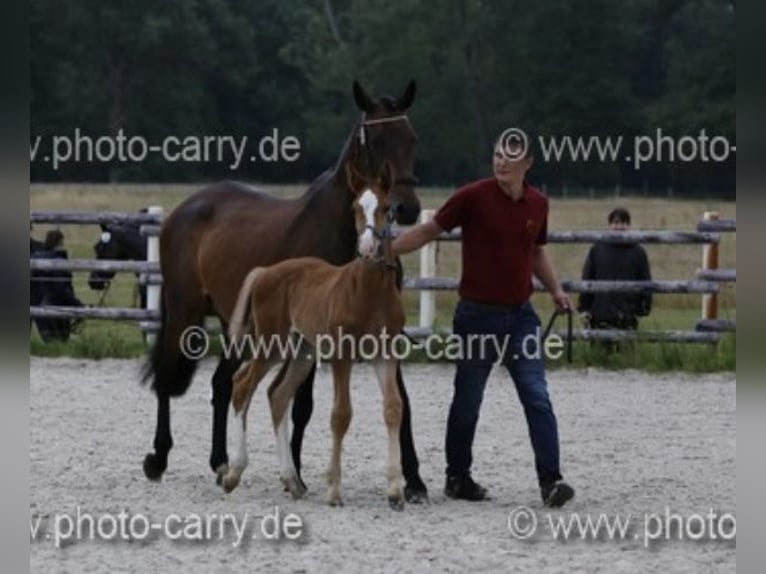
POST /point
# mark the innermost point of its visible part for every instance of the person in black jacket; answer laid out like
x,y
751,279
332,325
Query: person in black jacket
x,y
55,289
35,287
616,261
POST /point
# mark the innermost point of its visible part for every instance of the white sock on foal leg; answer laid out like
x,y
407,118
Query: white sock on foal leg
x,y
238,461
288,473
392,404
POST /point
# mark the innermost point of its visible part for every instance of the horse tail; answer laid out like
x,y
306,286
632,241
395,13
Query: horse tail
x,y
169,369
241,321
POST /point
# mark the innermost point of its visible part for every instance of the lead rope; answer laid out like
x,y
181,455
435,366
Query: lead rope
x,y
547,332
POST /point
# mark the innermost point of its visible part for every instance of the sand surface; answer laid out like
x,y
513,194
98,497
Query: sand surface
x,y
631,444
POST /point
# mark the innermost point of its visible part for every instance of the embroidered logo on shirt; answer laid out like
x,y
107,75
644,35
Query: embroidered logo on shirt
x,y
531,227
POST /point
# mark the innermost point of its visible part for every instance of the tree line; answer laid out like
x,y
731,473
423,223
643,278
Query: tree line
x,y
555,68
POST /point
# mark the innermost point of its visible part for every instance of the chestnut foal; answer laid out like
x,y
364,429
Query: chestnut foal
x,y
309,302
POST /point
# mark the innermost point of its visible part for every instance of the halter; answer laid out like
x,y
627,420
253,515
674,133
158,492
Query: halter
x,y
410,180
362,133
382,236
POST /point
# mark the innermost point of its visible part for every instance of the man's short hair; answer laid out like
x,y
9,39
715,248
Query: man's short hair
x,y
619,215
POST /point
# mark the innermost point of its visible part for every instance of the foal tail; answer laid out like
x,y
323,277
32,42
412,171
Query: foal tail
x,y
241,321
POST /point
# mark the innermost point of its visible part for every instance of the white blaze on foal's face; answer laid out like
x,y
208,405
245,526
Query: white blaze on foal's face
x,y
368,203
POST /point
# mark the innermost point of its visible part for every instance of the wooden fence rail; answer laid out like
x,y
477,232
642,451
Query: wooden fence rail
x,y
707,279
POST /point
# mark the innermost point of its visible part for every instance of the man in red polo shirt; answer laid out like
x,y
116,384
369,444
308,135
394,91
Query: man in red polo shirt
x,y
504,223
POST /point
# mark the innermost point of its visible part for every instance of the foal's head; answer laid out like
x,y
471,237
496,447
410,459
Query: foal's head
x,y
372,210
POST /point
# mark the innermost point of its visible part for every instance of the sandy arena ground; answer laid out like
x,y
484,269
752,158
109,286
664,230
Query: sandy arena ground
x,y
631,444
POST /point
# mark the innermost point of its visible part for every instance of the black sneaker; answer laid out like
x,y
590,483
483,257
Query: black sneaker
x,y
463,487
557,494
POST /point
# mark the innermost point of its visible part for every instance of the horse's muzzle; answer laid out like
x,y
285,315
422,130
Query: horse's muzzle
x,y
98,283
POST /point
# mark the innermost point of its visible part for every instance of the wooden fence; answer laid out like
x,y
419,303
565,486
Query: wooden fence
x,y
706,283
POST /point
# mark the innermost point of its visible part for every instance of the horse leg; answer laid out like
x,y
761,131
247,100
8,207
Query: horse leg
x,y
172,373
303,406
155,463
222,385
415,490
392,414
281,394
245,382
339,422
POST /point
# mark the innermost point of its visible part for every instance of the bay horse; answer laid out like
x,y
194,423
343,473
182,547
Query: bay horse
x,y
212,240
317,302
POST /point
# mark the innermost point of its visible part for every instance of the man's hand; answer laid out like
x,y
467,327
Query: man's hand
x,y
561,300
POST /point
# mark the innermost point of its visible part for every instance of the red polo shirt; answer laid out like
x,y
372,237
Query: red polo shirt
x,y
499,237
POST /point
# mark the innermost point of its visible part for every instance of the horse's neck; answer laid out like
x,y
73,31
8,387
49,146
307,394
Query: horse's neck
x,y
327,205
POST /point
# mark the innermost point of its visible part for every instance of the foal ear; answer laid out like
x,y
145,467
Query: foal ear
x,y
354,179
363,101
406,99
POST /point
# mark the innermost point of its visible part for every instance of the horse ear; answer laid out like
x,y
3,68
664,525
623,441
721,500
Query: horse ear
x,y
104,226
354,179
363,101
405,101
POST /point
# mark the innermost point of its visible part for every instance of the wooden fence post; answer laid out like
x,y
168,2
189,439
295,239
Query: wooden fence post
x,y
710,261
153,256
427,270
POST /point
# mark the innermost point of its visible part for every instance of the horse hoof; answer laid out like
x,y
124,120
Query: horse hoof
x,y
416,494
229,482
335,501
396,503
220,472
154,467
294,486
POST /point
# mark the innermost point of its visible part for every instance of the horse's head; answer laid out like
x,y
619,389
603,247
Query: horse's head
x,y
116,242
384,135
372,210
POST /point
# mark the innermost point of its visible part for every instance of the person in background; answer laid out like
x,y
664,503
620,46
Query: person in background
x,y
55,289
615,261
35,288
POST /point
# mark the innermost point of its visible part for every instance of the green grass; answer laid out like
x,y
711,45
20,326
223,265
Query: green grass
x,y
101,339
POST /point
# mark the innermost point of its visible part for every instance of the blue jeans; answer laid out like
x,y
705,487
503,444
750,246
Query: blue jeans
x,y
500,325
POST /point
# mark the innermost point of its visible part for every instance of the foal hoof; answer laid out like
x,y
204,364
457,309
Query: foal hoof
x,y
416,493
154,466
396,503
229,482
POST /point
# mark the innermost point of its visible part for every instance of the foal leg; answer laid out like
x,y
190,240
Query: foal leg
x,y
281,394
392,414
245,382
339,422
